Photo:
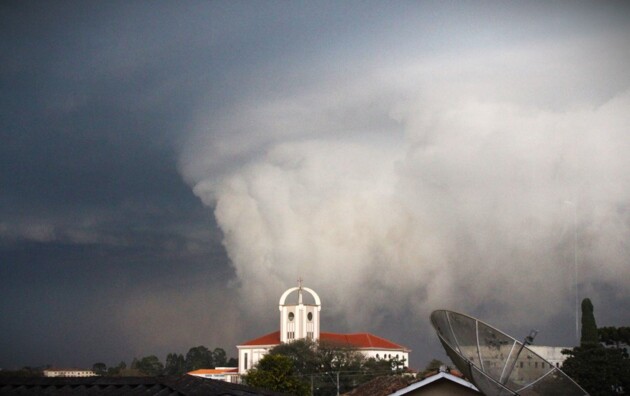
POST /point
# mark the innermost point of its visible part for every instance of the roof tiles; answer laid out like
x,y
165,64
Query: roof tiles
x,y
357,340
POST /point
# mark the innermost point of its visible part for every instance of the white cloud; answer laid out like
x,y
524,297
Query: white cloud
x,y
451,194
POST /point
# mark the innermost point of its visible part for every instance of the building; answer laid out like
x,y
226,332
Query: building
x,y
227,374
551,354
300,320
441,384
71,372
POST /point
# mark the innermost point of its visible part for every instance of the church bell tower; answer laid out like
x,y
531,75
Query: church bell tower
x,y
298,321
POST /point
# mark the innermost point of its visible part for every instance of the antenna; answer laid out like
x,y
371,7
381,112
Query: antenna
x,y
496,363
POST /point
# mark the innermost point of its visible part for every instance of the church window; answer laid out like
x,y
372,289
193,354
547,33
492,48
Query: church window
x,y
245,361
310,316
291,316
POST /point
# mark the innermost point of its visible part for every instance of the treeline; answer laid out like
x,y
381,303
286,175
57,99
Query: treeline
x,y
601,364
198,357
304,367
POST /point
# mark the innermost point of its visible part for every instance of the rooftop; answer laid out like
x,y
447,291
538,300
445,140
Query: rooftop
x,y
357,340
147,386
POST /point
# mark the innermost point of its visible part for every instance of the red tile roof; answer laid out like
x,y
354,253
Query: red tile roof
x,y
358,340
267,339
214,371
361,340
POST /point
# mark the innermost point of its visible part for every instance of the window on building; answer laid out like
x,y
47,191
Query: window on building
x,y
245,361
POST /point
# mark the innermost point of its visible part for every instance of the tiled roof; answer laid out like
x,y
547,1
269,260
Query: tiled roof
x,y
381,386
113,386
268,339
214,371
361,340
358,340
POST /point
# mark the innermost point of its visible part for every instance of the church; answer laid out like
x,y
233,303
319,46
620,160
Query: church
x,y
299,320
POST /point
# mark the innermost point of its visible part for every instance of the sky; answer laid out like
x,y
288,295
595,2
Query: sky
x,y
168,169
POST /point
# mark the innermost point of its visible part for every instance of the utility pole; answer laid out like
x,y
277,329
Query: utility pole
x,y
337,383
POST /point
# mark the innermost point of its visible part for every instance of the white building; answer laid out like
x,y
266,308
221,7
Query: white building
x,y
552,354
227,374
68,373
300,320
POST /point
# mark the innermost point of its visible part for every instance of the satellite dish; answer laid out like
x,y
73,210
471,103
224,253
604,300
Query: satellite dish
x,y
495,362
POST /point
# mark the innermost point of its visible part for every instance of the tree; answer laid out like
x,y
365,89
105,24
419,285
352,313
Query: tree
x,y
175,364
600,371
149,365
277,373
219,357
199,358
597,369
589,327
116,371
99,368
329,367
303,354
614,336
432,366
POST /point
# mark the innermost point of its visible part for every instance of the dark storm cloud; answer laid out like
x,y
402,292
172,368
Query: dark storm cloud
x,y
94,103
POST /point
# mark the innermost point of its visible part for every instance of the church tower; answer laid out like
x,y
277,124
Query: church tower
x,y
299,320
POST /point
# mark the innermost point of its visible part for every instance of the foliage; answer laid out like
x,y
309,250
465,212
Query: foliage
x,y
589,327
432,366
149,365
598,369
117,371
616,336
99,368
198,358
277,373
326,366
303,354
26,371
219,357
175,364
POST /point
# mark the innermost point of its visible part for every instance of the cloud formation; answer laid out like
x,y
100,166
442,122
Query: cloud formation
x,y
454,181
